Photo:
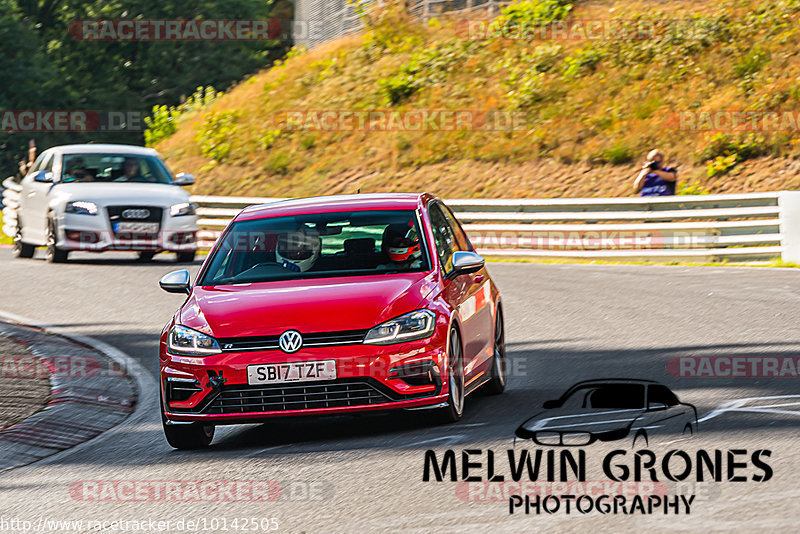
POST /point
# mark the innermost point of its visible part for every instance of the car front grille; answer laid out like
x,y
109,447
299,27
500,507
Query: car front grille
x,y
118,214
318,339
284,397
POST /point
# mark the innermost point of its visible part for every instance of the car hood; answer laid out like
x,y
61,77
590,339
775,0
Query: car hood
x,y
321,305
583,420
105,194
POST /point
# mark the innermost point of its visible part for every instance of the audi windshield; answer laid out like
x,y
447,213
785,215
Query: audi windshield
x,y
114,168
318,246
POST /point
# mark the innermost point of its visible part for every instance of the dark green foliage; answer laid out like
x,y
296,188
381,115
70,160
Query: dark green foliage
x,y
44,67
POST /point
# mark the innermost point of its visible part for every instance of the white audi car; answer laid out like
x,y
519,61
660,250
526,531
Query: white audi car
x,y
104,197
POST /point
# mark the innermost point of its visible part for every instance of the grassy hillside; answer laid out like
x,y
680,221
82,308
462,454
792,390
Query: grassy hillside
x,y
587,109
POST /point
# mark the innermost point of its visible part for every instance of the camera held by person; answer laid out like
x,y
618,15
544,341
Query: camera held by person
x,y
655,179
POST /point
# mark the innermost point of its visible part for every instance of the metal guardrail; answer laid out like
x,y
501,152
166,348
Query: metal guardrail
x,y
701,228
689,228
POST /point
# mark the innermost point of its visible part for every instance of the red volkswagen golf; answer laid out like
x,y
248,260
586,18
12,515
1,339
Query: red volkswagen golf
x,y
331,305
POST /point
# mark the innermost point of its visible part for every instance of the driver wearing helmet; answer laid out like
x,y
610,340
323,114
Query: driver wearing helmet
x,y
297,251
400,244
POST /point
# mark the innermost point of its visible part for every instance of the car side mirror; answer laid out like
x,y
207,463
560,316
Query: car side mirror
x,y
184,178
549,405
176,282
656,406
465,262
43,177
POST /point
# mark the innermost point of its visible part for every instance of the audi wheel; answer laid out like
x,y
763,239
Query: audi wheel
x,y
54,254
22,249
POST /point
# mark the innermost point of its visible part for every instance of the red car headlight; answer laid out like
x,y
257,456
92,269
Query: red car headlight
x,y
185,341
418,324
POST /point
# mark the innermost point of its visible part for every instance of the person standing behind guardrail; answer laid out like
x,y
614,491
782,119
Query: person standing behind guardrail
x,y
655,179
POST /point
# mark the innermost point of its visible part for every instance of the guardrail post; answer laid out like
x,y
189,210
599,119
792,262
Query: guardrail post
x,y
789,202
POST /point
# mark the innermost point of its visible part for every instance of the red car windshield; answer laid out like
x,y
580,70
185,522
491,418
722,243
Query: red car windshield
x,y
357,243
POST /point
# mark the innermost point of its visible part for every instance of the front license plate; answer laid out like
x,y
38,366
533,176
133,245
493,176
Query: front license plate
x,y
140,227
277,373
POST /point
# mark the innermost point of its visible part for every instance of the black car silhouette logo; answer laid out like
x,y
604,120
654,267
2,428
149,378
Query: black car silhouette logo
x,y
609,410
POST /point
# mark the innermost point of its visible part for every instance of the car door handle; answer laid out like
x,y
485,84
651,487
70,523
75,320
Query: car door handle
x,y
31,194
478,278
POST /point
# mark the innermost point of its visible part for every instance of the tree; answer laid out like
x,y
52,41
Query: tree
x,y
51,69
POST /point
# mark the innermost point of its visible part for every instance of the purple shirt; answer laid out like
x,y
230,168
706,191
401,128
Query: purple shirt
x,y
656,186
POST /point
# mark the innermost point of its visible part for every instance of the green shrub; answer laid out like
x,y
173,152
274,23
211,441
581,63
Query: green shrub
x,y
582,62
399,87
425,68
389,28
719,145
751,63
308,142
202,98
215,132
294,52
164,120
618,154
745,147
544,58
268,138
724,152
721,165
524,88
278,163
691,189
160,125
535,11
525,74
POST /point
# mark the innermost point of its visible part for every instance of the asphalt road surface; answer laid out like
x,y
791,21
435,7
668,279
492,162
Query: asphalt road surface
x,y
565,323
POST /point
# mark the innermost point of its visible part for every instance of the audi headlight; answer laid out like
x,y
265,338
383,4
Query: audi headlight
x,y
183,340
415,325
184,208
81,206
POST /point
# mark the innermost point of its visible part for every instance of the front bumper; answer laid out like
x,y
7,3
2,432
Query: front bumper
x,y
369,378
94,233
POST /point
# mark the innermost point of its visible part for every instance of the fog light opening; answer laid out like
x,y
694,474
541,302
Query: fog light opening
x,y
181,389
417,373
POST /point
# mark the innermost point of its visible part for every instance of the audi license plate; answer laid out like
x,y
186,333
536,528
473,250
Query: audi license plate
x,y
137,227
276,373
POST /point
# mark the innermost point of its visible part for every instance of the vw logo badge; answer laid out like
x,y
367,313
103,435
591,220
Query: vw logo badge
x,y
290,341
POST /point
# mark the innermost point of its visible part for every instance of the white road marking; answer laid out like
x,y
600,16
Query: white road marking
x,y
258,452
741,405
446,440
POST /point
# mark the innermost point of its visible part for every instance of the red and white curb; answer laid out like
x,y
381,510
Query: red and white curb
x,y
84,405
